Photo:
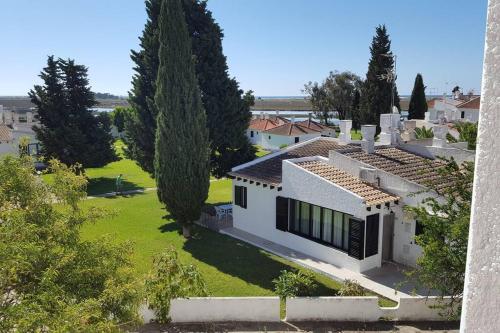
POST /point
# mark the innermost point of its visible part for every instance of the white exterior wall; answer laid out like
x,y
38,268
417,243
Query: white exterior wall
x,y
359,309
257,138
471,115
273,141
259,218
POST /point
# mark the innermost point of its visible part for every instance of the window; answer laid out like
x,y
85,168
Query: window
x,y
462,114
304,218
320,224
296,139
419,228
269,137
356,238
327,225
240,196
282,213
372,223
316,222
251,134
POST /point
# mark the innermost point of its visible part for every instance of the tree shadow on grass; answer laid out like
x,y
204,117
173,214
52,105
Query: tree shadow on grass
x,y
105,185
239,259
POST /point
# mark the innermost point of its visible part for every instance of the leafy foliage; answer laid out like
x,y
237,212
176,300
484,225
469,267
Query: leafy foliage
x,y
50,279
181,163
171,279
118,116
423,132
445,222
69,131
377,91
467,133
351,288
418,102
294,283
338,93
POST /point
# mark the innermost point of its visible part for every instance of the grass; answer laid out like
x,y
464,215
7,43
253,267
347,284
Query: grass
x,y
356,135
261,151
230,267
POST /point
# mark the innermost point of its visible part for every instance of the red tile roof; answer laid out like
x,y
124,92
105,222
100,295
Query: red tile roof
x,y
314,125
5,134
262,124
291,129
370,194
473,103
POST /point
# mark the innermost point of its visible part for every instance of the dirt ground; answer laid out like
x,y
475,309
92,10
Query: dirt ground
x,y
379,327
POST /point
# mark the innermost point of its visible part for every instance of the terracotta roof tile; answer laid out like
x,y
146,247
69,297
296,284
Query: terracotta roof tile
x,y
314,125
291,129
473,103
370,194
5,134
269,170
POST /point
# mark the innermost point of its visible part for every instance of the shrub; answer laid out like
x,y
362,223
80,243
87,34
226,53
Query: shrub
x,y
351,288
294,283
423,133
171,279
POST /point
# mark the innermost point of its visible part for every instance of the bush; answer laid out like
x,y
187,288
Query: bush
x,y
351,288
171,279
298,283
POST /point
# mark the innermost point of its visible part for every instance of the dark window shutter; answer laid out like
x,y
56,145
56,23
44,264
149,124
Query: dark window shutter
x,y
356,238
282,213
244,196
237,195
419,228
372,223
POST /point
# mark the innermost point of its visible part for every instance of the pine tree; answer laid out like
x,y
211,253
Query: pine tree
x,y
228,112
182,147
418,103
70,132
376,96
140,125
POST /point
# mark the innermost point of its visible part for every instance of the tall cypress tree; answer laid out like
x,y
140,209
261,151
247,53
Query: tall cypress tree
x,y
70,132
182,147
376,96
140,124
228,112
418,103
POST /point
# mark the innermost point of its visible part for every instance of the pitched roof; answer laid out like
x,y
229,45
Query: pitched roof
x,y
314,125
291,129
5,134
473,103
393,160
262,124
370,194
406,165
269,169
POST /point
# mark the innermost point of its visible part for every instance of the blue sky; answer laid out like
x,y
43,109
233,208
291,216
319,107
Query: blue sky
x,y
273,46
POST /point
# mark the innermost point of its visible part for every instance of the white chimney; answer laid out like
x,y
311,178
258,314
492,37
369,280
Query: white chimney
x,y
277,113
409,126
439,139
261,115
345,130
292,119
368,175
386,126
368,142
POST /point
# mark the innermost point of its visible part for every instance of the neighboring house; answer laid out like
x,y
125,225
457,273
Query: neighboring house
x,y
286,135
447,110
15,124
314,125
338,200
261,124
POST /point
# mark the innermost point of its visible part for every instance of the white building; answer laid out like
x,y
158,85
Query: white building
x,y
338,200
448,110
13,126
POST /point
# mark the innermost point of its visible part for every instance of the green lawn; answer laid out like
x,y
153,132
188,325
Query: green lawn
x,y
260,151
356,135
230,267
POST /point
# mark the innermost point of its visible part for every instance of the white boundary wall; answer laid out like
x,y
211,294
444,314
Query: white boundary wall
x,y
216,309
359,309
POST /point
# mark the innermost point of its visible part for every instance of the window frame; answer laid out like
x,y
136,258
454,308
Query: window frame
x,y
240,196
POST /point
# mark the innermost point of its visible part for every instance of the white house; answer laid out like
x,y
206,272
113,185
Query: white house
x,y
262,123
287,134
447,110
13,126
338,200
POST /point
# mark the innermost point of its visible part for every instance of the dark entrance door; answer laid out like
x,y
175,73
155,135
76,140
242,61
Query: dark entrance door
x,y
388,237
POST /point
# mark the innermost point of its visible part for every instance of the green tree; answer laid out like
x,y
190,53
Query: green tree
x,y
424,133
319,101
171,279
118,116
445,229
50,279
182,148
355,116
69,130
377,88
227,109
467,132
418,102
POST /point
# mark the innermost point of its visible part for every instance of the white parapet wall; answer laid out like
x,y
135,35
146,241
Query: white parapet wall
x,y
363,308
223,309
